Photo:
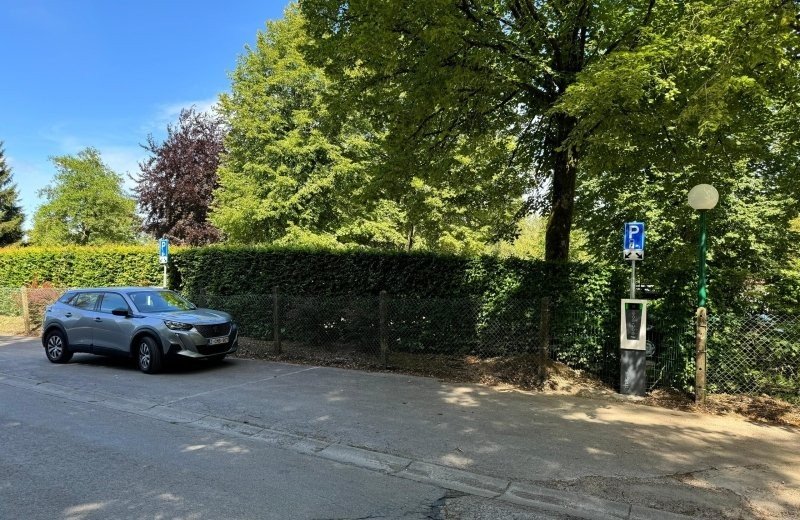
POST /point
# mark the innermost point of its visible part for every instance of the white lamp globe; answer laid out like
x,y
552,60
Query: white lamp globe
x,y
703,196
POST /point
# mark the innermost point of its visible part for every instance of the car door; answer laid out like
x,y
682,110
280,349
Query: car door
x,y
79,319
112,333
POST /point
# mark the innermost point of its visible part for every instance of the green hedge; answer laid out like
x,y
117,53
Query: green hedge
x,y
301,272
79,266
477,302
256,270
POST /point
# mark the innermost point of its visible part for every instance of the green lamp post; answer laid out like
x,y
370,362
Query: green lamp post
x,y
703,197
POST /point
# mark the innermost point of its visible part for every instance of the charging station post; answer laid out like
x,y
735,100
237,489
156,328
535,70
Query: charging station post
x,y
633,319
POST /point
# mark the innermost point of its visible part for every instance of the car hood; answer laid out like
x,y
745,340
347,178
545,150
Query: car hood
x,y
196,316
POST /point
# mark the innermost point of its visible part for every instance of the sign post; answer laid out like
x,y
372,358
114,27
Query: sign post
x,y
633,319
163,256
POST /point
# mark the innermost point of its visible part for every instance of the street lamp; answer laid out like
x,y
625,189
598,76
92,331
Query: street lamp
x,y
703,197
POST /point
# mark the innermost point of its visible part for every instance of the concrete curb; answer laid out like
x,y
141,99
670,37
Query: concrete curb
x,y
371,460
456,479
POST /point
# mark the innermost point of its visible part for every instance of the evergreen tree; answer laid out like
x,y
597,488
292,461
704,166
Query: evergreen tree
x,y
10,211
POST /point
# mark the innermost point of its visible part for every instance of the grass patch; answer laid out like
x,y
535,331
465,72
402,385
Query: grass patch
x,y
12,325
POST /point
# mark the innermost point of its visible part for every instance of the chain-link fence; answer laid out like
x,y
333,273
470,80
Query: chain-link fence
x,y
22,309
746,353
754,354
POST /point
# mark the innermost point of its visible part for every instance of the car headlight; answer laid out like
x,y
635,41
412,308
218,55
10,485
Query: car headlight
x,y
176,325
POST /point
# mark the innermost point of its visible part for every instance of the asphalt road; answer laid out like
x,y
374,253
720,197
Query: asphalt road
x,y
71,449
96,438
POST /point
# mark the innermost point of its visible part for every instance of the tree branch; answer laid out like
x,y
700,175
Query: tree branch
x,y
633,31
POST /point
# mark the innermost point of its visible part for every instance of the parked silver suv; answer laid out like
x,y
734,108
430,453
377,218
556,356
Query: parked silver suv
x,y
146,323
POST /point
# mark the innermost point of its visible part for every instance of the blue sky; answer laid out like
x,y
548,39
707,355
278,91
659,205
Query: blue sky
x,y
106,74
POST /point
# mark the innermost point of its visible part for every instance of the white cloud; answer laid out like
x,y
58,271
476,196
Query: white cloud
x,y
169,112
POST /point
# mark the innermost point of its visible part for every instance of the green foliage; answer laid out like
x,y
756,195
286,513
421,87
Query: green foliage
x,y
478,79
85,205
529,242
11,216
295,173
705,96
79,266
235,270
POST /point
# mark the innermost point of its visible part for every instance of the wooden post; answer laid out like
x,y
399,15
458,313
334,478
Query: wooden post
x,y
701,338
26,313
384,341
544,337
276,320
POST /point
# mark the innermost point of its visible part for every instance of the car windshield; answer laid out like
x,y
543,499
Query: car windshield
x,y
160,301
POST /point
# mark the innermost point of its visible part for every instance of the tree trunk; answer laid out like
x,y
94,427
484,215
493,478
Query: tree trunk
x,y
410,243
562,197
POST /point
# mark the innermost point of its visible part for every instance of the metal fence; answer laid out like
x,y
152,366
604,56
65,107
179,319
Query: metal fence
x,y
754,354
747,354
22,309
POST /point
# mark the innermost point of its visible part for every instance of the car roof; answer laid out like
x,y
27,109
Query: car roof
x,y
117,289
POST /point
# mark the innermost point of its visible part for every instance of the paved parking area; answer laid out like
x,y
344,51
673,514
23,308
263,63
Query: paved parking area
x,y
581,456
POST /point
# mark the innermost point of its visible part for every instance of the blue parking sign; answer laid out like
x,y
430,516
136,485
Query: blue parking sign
x,y
633,241
163,251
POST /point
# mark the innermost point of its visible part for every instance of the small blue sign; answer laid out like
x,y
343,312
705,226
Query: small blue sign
x,y
163,251
633,241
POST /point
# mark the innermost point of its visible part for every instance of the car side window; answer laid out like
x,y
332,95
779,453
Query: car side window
x,y
112,301
85,301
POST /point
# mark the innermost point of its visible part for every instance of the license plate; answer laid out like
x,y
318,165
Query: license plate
x,y
218,341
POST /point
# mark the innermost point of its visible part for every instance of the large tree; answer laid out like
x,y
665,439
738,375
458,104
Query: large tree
x,y
177,181
715,99
11,216
84,205
294,173
434,73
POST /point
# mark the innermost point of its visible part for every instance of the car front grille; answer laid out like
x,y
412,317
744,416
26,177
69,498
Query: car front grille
x,y
214,331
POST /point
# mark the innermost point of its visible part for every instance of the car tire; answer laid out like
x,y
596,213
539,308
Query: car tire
x,y
148,355
55,347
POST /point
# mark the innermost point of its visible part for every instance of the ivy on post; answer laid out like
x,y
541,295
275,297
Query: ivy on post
x,y
700,356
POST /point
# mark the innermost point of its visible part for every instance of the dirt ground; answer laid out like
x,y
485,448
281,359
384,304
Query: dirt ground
x,y
520,373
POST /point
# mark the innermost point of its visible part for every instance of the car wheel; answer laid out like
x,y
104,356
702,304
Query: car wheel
x,y
148,355
55,346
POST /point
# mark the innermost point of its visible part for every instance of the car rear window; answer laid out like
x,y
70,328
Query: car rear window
x,y
85,300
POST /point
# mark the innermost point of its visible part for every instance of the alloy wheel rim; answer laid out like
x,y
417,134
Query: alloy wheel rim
x,y
144,355
54,347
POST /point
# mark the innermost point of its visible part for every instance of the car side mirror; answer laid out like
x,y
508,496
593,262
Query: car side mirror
x,y
121,312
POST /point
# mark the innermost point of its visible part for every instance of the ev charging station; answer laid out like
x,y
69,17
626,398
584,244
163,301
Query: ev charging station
x,y
632,344
633,320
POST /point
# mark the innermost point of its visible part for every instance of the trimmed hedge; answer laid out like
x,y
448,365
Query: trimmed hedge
x,y
439,303
79,266
223,271
256,270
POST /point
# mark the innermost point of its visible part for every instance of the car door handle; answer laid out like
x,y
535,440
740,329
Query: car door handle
x,y
97,319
